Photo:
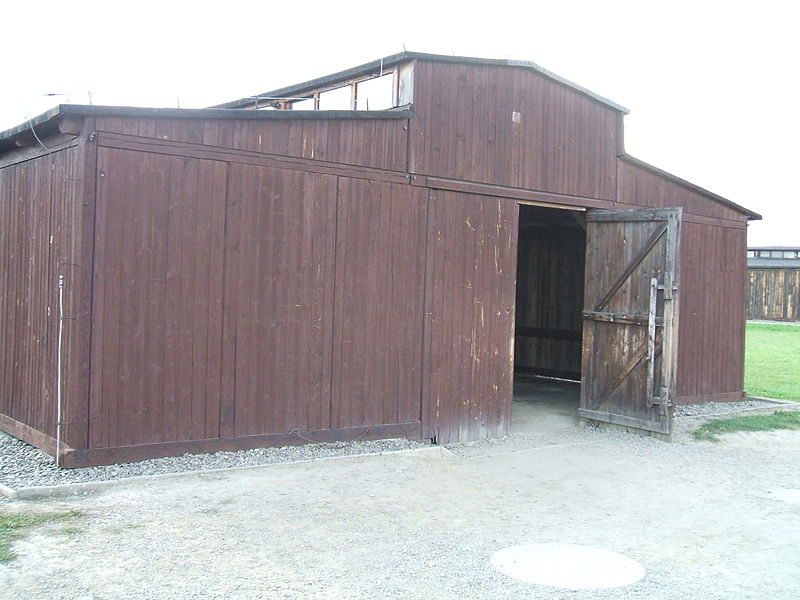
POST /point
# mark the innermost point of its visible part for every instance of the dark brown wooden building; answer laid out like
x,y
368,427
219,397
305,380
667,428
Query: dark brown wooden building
x,y
773,283
368,254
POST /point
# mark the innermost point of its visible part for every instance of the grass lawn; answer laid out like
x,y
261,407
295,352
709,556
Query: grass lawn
x,y
777,420
772,361
12,527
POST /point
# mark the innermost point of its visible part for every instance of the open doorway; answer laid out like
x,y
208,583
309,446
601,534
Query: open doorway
x,y
551,260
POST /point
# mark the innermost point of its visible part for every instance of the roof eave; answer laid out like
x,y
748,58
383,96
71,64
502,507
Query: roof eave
x,y
751,216
45,123
39,125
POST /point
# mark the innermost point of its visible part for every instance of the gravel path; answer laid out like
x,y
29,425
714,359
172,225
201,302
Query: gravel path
x,y
23,466
707,521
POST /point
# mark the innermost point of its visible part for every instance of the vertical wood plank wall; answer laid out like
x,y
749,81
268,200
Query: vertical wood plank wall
x,y
378,143
278,266
239,300
642,187
511,126
379,293
711,335
157,298
470,310
712,295
234,300
40,216
773,294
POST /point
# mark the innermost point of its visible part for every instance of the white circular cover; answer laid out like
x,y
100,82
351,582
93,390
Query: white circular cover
x,y
788,496
567,566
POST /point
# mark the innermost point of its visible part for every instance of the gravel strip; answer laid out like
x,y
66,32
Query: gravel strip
x,y
23,466
706,409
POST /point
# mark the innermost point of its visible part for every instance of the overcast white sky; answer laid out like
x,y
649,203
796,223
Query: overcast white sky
x,y
711,85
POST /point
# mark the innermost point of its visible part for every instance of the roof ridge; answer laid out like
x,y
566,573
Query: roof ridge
x,y
400,57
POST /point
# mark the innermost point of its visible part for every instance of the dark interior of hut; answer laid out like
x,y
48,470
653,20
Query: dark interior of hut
x,y
551,259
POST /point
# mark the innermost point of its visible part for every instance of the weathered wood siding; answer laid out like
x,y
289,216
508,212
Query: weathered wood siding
x,y
712,287
234,300
40,228
157,298
641,187
773,294
234,295
629,334
471,265
511,126
712,297
278,270
378,308
379,143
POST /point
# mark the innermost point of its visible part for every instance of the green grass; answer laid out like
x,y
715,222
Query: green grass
x,y
12,527
777,420
772,361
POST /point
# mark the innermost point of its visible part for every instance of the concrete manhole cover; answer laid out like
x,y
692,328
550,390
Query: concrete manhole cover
x,y
567,566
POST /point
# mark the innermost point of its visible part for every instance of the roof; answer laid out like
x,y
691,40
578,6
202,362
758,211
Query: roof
x,y
773,263
773,247
395,59
751,216
47,122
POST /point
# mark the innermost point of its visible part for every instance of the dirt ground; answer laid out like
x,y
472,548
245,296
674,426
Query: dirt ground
x,y
705,520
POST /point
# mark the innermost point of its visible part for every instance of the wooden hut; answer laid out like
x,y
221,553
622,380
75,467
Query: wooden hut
x,y
773,283
358,256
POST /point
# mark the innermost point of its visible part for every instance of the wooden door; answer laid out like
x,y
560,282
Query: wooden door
x,y
630,318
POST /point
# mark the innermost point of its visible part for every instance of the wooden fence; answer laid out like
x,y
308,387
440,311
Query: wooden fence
x,y
773,294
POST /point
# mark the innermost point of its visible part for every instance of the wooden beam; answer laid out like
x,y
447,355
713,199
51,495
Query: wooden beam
x,y
532,197
71,124
570,375
76,405
616,317
632,363
638,214
187,149
28,434
24,154
118,454
549,334
580,219
25,141
623,421
713,221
